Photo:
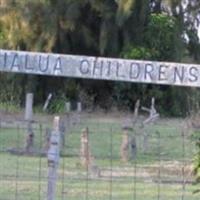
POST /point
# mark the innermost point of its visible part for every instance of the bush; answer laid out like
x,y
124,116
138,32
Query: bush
x,y
57,104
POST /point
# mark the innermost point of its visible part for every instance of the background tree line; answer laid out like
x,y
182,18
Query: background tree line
x,y
164,30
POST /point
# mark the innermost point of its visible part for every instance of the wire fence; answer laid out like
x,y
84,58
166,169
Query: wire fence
x,y
98,160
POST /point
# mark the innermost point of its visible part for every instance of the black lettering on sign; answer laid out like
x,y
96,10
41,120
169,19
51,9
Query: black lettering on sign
x,y
27,66
98,66
193,73
179,73
148,71
85,67
43,66
26,61
109,68
134,71
58,66
118,71
3,60
15,62
161,73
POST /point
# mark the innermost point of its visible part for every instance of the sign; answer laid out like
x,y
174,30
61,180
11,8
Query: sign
x,y
100,68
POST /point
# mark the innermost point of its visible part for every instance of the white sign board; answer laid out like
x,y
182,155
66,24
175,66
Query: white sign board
x,y
100,68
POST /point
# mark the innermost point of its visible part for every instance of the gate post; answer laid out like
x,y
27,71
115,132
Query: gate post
x,y
53,156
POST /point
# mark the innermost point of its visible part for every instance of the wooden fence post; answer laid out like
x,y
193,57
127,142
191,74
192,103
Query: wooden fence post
x,y
29,118
29,107
53,156
124,146
67,107
29,138
85,154
47,102
79,107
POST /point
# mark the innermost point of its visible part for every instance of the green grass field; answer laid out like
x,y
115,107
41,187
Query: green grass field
x,y
156,173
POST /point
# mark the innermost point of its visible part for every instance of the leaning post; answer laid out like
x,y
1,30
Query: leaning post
x,y
47,102
29,107
53,157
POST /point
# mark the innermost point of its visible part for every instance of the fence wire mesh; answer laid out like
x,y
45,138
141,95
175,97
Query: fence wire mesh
x,y
96,162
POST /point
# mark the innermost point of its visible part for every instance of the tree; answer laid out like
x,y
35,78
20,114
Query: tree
x,y
160,48
111,28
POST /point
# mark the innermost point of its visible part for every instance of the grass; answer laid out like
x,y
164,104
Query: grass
x,y
9,107
151,176
27,182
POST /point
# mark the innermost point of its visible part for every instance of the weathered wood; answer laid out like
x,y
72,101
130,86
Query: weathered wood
x,y
79,107
62,128
29,117
124,149
136,110
145,141
85,154
29,139
47,102
47,137
29,107
67,107
153,114
100,68
133,147
53,156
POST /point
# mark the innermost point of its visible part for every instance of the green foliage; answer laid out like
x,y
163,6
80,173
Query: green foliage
x,y
10,90
9,107
134,29
137,53
57,104
160,47
160,43
196,138
2,38
161,37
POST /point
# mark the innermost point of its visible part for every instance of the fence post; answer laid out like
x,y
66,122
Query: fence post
x,y
79,107
47,102
67,107
53,156
29,118
29,107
